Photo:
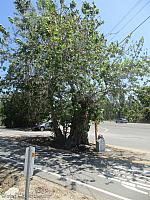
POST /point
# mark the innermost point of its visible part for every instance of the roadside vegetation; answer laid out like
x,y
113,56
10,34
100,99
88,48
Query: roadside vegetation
x,y
61,67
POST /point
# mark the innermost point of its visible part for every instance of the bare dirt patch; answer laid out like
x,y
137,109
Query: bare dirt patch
x,y
8,177
40,189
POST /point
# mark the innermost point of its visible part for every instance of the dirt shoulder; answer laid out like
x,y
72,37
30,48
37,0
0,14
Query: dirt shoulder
x,y
13,185
41,189
135,156
8,177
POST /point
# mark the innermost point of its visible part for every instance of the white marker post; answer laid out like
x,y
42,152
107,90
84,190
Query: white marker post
x,y
28,168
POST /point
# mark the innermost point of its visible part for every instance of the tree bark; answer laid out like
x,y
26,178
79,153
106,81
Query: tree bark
x,y
59,137
79,128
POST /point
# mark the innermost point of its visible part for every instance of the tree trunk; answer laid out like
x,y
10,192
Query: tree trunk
x,y
59,137
79,129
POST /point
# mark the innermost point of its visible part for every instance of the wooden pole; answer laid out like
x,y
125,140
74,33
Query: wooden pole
x,y
96,130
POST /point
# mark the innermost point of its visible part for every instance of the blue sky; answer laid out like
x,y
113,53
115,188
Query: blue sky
x,y
111,12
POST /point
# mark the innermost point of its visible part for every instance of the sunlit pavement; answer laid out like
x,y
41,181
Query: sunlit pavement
x,y
92,175
131,135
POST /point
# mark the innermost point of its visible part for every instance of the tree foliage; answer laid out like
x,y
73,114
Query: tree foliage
x,y
59,61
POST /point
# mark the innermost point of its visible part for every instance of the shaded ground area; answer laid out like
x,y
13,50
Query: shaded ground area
x,y
80,166
112,153
14,148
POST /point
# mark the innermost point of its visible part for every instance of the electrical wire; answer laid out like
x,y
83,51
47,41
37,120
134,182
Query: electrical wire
x,y
124,17
131,19
129,35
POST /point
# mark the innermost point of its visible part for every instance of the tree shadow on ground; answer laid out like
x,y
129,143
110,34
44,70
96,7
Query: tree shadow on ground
x,y
82,166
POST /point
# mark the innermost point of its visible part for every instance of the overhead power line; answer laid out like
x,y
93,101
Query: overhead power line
x,y
133,17
130,19
125,16
135,29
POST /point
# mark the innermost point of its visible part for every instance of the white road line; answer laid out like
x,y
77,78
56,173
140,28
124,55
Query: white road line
x,y
89,186
140,176
142,180
100,190
133,188
130,183
142,184
129,177
142,187
92,187
113,179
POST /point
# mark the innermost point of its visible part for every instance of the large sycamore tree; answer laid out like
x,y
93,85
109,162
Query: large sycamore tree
x,y
61,64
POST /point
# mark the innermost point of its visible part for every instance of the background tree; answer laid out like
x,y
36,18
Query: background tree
x,y
133,109
143,94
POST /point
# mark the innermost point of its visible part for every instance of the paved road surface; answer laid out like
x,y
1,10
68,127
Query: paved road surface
x,y
130,135
99,178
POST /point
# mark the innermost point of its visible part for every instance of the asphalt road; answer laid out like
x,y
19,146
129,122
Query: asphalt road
x,y
130,135
92,175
